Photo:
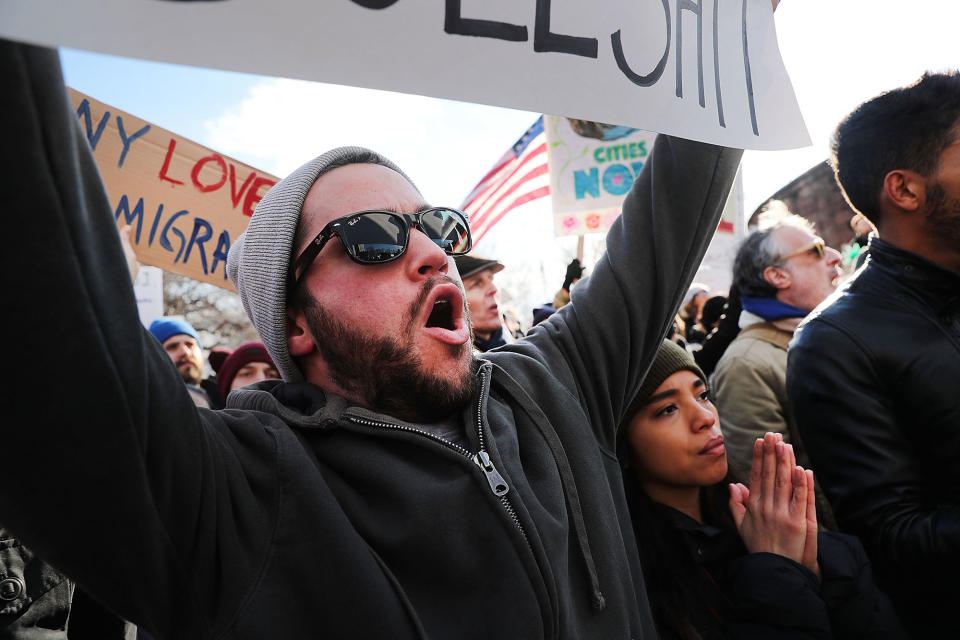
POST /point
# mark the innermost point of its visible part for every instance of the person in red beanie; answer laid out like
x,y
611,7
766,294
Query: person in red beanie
x,y
245,365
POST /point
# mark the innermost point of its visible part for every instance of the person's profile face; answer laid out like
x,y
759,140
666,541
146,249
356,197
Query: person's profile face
x,y
812,277
941,224
482,301
674,439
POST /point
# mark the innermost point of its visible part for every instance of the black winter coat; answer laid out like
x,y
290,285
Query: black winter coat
x,y
739,595
873,378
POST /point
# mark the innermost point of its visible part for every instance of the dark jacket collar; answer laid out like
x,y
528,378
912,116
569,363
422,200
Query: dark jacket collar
x,y
911,266
938,285
495,340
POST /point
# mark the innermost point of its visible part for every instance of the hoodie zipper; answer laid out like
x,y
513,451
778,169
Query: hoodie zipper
x,y
483,461
498,485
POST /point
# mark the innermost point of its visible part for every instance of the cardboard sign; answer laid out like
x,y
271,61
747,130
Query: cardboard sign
x,y
184,203
592,167
705,70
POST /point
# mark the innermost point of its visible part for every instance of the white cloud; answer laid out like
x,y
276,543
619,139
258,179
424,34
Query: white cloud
x,y
445,146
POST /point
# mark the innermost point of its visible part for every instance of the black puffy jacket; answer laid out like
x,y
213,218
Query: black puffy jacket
x,y
873,378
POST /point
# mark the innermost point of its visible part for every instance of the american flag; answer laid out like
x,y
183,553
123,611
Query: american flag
x,y
520,176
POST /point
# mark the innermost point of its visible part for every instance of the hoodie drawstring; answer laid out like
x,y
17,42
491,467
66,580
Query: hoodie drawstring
x,y
567,481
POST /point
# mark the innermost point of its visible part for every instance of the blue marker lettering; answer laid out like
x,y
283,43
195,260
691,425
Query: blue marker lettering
x,y
197,239
220,253
123,208
84,110
127,141
165,241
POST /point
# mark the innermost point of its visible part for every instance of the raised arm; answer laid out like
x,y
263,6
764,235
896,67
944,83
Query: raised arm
x,y
108,452
602,343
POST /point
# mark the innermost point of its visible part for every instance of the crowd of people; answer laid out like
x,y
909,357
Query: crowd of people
x,y
388,465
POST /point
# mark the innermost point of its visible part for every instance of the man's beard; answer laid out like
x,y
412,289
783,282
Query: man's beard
x,y
943,216
191,374
385,372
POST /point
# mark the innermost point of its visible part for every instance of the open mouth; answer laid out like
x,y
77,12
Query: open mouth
x,y
441,315
445,320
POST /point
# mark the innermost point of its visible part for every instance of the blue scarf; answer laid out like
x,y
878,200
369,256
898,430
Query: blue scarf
x,y
771,309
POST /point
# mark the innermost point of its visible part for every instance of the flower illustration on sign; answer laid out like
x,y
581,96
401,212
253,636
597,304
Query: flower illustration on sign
x,y
593,221
570,222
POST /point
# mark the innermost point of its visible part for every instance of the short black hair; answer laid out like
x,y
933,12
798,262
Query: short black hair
x,y
906,128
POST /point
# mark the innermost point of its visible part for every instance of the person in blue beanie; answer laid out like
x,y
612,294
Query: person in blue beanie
x,y
182,343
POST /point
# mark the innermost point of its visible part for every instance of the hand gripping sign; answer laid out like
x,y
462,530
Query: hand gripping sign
x,y
701,69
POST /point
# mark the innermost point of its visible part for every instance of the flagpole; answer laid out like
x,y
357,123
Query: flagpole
x,y
580,249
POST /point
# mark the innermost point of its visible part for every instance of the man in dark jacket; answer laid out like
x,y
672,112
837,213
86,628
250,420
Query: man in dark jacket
x,y
392,485
873,374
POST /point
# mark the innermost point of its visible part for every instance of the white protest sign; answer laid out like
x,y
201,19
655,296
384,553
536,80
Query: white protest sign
x,y
592,167
705,70
148,289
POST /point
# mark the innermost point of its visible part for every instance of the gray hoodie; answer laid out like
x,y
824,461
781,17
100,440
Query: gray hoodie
x,y
292,514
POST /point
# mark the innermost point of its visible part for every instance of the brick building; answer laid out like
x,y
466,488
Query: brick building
x,y
816,196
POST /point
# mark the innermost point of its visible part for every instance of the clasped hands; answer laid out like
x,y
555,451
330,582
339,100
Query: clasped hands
x,y
778,513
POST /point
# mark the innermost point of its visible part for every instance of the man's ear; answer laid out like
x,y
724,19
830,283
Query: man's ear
x,y
778,277
299,339
904,189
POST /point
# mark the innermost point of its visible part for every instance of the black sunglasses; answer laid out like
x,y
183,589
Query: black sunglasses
x,y
375,237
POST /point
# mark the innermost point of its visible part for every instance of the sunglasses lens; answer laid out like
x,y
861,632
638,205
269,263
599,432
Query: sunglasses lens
x,y
448,229
374,237
819,249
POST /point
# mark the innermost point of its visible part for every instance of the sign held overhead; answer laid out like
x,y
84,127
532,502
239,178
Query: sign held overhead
x,y
705,69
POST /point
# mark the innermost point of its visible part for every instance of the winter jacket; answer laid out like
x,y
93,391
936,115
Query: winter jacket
x,y
750,389
750,386
765,596
292,514
34,597
37,602
873,379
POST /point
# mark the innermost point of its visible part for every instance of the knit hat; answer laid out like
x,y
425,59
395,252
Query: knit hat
x,y
228,367
470,265
167,327
259,260
670,358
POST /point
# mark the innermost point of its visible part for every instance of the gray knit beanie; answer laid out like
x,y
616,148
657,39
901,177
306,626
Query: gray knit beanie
x,y
259,260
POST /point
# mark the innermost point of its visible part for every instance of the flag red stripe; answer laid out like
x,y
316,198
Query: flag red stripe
x,y
535,172
482,183
525,198
475,208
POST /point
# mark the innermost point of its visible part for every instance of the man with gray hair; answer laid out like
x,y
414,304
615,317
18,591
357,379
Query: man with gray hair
x,y
393,484
783,271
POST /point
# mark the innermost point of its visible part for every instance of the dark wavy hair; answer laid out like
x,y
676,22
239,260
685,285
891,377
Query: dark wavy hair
x,y
669,572
906,128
